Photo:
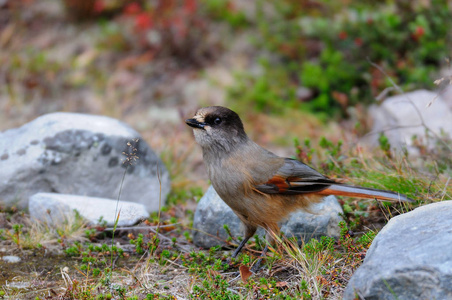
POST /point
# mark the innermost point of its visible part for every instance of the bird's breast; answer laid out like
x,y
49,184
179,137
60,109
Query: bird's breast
x,y
235,177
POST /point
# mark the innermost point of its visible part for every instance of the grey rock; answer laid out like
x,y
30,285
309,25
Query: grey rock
x,y
400,117
19,285
410,258
55,209
11,259
78,154
304,93
446,95
212,213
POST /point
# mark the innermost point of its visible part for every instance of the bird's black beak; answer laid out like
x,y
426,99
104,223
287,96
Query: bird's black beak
x,y
195,124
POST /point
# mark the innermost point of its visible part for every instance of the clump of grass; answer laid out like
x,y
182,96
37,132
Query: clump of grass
x,y
34,234
319,269
424,181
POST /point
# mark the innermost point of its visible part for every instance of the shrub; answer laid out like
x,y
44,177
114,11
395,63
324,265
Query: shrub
x,y
328,48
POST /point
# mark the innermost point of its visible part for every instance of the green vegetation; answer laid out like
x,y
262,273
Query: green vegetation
x,y
410,41
321,267
221,10
425,180
310,60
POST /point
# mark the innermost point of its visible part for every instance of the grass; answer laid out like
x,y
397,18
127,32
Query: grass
x,y
25,233
158,260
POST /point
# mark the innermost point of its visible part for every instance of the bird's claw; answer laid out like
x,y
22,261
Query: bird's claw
x,y
257,266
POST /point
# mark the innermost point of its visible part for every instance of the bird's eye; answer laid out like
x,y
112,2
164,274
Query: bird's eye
x,y
217,121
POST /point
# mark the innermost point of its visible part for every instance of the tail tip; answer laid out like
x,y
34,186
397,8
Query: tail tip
x,y
404,198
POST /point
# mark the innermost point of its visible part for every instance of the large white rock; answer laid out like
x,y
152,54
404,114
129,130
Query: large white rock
x,y
400,117
78,154
411,258
54,209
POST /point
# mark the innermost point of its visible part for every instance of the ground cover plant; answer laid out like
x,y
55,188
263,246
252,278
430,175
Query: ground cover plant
x,y
327,47
157,259
125,59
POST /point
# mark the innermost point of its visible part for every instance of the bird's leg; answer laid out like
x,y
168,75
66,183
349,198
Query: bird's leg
x,y
250,230
239,248
272,231
257,265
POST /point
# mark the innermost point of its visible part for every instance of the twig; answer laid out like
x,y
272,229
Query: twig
x,y
114,262
445,189
178,265
167,239
384,93
392,128
117,215
141,227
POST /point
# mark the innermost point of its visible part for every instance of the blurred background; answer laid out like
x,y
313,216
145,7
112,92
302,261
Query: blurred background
x,y
307,77
290,68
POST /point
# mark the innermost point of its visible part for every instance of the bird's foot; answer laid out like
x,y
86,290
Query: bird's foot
x,y
257,266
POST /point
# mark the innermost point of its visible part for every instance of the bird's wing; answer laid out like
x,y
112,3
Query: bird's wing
x,y
294,177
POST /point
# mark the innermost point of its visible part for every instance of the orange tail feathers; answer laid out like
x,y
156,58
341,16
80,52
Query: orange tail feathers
x,y
360,192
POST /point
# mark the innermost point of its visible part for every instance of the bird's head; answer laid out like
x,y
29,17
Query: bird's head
x,y
217,127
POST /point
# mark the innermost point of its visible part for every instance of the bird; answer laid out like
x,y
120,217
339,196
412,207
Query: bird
x,y
259,186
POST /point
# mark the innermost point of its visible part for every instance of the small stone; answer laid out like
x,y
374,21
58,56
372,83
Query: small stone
x,y
304,93
19,284
11,259
55,209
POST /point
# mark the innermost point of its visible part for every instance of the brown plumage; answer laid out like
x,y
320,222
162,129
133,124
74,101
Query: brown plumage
x,y
259,186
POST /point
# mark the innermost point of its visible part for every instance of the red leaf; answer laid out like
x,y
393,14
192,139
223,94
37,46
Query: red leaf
x,y
143,21
180,27
190,6
281,284
420,31
358,42
99,6
245,273
342,35
132,9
